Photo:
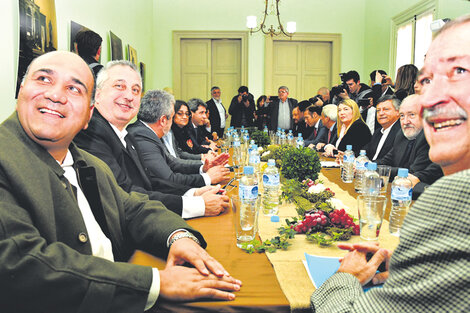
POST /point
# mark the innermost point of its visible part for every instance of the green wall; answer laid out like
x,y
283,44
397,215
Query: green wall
x,y
147,25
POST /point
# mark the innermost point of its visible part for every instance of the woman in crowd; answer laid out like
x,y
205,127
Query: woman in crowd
x,y
180,128
351,129
405,82
261,113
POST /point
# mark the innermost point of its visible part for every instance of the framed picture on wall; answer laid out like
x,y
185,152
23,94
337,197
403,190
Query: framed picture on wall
x,y
132,56
115,46
38,32
74,29
142,73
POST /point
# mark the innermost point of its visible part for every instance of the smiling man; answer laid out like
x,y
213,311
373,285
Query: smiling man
x,y
428,271
67,229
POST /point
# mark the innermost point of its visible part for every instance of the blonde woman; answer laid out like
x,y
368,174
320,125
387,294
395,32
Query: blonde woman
x,y
352,130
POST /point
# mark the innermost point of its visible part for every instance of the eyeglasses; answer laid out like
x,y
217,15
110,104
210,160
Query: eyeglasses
x,y
183,113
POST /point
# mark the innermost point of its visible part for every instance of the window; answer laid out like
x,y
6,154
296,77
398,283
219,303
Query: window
x,y
411,35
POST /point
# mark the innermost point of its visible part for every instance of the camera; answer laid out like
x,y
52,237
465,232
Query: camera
x,y
245,98
336,90
315,99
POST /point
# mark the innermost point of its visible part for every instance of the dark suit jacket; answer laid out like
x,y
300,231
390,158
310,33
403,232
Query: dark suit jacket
x,y
100,140
274,112
180,153
159,162
197,137
322,135
371,147
236,110
184,140
358,135
419,165
214,118
46,251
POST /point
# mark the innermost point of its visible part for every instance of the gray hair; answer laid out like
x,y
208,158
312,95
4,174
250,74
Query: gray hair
x,y
103,76
195,103
154,105
395,101
283,87
214,88
454,23
330,111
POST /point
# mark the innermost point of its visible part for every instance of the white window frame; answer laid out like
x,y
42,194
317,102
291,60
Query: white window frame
x,y
404,17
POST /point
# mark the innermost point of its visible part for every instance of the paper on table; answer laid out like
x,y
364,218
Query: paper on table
x,y
329,164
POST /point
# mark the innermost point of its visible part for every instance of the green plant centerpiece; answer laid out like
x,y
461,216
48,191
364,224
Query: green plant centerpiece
x,y
261,138
300,164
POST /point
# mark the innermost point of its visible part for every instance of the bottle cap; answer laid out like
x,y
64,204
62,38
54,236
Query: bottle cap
x,y
349,147
363,152
275,219
299,135
290,131
403,172
248,170
255,147
371,166
271,162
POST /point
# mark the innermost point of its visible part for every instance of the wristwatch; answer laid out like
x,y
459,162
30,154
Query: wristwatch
x,y
185,234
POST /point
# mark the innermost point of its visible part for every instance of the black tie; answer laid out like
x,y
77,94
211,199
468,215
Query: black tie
x,y
405,161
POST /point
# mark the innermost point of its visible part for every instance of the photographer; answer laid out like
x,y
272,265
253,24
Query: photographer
x,y
322,98
242,108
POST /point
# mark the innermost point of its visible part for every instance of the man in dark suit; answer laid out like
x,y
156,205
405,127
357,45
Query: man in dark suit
x,y
197,131
117,102
218,114
384,137
328,117
312,119
242,108
154,121
68,229
411,150
280,110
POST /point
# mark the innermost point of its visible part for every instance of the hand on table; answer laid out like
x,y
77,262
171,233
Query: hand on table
x,y
339,157
215,204
212,161
208,279
329,150
355,262
218,174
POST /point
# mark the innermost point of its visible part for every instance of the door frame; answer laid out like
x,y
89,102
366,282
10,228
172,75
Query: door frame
x,y
334,39
179,35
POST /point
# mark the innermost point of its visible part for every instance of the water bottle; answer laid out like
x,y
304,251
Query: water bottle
x,y
278,136
300,141
371,181
271,189
290,138
283,138
265,130
347,168
237,151
401,200
254,159
248,186
360,165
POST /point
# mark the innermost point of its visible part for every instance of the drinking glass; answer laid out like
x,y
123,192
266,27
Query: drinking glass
x,y
384,173
371,212
245,218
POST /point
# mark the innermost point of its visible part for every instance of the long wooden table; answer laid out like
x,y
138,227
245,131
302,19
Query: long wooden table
x,y
261,291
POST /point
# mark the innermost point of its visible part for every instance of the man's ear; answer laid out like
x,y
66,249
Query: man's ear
x,y
92,108
97,56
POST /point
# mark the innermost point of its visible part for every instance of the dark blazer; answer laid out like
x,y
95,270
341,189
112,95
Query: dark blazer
x,y
237,109
43,232
419,163
371,147
179,152
100,140
214,118
322,135
274,112
197,137
184,140
159,162
358,135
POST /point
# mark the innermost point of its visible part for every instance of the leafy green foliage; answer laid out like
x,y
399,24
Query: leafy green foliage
x,y
276,153
261,138
271,245
300,163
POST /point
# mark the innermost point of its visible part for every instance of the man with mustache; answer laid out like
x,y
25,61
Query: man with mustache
x,y
67,229
428,272
117,102
410,149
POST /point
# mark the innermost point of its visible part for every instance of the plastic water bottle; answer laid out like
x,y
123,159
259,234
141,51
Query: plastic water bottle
x,y
300,141
371,181
290,138
254,159
347,168
401,200
271,189
266,129
283,138
360,165
248,186
237,152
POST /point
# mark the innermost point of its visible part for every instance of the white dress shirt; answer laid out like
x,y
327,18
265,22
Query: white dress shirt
x,y
283,119
385,133
192,206
220,108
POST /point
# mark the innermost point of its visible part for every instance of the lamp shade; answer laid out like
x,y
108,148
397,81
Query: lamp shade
x,y
251,21
291,27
